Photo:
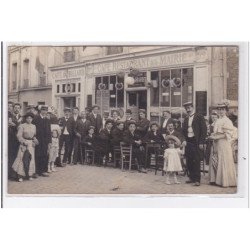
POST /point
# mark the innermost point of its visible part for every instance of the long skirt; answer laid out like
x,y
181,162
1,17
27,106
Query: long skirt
x,y
222,169
18,165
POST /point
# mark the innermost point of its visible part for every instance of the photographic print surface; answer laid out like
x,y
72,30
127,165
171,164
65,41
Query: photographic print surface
x,y
122,119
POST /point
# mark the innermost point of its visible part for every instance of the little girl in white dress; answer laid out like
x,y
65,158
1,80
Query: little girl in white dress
x,y
172,162
53,151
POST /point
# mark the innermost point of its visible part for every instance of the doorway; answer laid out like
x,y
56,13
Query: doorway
x,y
69,102
136,100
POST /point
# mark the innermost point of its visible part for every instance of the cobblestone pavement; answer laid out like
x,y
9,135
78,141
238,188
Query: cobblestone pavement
x,y
79,179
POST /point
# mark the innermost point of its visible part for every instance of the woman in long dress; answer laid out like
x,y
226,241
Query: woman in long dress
x,y
222,167
24,165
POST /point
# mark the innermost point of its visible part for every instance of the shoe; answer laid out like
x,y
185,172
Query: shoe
x,y
189,181
143,170
64,165
212,183
30,179
35,176
59,165
177,182
20,180
49,171
196,184
168,182
44,175
54,170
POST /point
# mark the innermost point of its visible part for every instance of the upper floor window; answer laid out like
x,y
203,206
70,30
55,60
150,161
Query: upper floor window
x,y
14,76
111,50
69,56
26,73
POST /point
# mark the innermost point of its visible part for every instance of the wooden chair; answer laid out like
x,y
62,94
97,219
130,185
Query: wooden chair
x,y
159,161
126,155
89,153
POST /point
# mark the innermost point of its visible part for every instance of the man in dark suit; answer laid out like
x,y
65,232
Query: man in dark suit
x,y
43,135
165,120
153,136
96,119
195,131
117,133
81,131
129,118
143,123
104,141
131,137
67,127
75,140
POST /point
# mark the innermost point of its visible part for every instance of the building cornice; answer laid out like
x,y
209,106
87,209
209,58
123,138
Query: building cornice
x,y
122,56
36,88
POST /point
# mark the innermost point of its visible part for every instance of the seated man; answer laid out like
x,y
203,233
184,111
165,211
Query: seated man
x,y
131,137
89,142
117,134
153,136
104,142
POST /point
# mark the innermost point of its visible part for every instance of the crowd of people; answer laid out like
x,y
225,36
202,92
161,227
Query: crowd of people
x,y
38,139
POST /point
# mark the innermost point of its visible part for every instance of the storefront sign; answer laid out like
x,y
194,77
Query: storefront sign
x,y
148,62
68,73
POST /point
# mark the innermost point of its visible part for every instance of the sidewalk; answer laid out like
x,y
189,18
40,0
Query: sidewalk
x,y
85,179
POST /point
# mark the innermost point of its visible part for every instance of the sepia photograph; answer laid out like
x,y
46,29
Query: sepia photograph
x,y
122,119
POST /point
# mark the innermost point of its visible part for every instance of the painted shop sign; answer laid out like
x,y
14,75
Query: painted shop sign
x,y
68,73
149,62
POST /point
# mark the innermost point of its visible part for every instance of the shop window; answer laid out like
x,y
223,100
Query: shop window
x,y
187,85
115,86
154,88
58,88
111,50
176,88
165,88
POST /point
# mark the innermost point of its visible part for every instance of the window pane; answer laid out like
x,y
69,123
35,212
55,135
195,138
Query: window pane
x,y
165,88
187,88
154,93
176,88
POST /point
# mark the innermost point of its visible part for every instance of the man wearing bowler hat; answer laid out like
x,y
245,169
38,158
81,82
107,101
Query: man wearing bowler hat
x,y
194,130
96,119
67,131
129,118
43,135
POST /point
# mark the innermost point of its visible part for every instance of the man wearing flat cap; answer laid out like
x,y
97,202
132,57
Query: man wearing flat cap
x,y
67,132
128,115
195,131
143,123
96,119
43,135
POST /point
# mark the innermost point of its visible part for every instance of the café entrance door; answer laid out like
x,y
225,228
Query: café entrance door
x,y
136,100
69,102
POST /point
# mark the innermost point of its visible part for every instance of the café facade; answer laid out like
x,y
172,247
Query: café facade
x,y
155,80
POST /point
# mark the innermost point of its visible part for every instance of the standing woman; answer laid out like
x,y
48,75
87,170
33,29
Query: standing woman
x,y
222,168
24,165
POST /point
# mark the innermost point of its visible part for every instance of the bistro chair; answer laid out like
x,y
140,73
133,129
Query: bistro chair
x,y
117,155
126,156
159,161
89,156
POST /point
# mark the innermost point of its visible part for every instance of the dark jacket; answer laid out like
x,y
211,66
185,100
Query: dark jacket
x,y
150,136
93,140
142,126
199,128
177,134
117,136
70,124
43,134
130,139
126,123
104,141
170,120
82,127
96,122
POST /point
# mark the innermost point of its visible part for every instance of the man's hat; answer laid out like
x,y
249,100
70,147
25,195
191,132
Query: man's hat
x,y
187,104
173,138
31,106
75,108
142,111
67,109
131,122
44,107
91,127
88,109
221,105
128,111
95,106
